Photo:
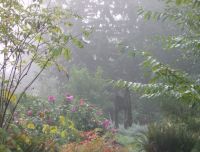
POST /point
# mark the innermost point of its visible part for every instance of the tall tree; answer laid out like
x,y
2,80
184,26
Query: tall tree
x,y
113,22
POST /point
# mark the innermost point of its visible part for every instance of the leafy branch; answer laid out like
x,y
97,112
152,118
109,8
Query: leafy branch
x,y
33,34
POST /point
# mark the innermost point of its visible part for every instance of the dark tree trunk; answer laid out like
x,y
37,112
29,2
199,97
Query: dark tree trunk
x,y
123,103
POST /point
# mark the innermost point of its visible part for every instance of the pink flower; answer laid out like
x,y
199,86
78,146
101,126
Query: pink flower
x,y
82,102
106,123
69,98
51,99
29,112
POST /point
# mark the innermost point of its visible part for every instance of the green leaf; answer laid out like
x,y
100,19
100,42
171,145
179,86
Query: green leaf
x,y
39,38
147,15
67,53
77,42
56,51
66,38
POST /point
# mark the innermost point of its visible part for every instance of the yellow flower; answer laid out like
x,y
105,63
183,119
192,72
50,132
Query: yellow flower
x,y
63,134
25,138
71,127
31,125
45,128
62,120
53,129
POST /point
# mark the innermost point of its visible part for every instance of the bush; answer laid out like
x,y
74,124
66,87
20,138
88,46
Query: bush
x,y
21,141
93,142
90,86
167,137
60,121
86,116
126,137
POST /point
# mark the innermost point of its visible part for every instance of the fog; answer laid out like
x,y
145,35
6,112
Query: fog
x,y
116,31
132,64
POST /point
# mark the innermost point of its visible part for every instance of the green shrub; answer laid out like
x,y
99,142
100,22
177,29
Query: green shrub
x,y
196,147
90,86
167,137
127,137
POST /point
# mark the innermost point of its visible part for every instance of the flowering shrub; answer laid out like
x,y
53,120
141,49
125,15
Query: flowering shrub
x,y
47,120
86,116
19,140
60,121
74,123
46,125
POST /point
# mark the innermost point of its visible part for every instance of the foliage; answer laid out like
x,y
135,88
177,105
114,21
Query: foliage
x,y
166,81
32,33
127,137
134,129
45,125
167,137
94,142
86,116
147,110
47,121
18,140
180,133
60,121
184,13
171,84
90,86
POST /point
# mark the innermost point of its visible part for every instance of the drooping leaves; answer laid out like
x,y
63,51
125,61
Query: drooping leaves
x,y
165,81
